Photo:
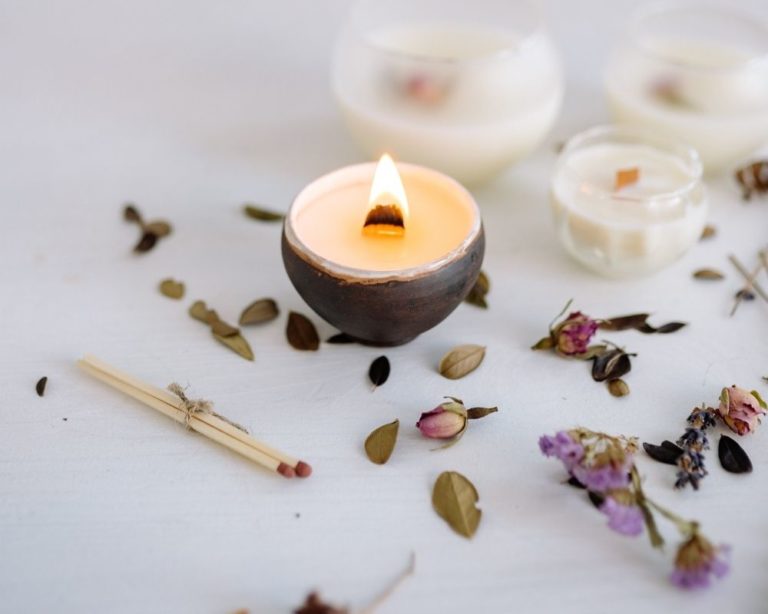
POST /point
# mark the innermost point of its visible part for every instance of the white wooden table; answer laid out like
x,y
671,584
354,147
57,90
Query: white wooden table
x,y
190,109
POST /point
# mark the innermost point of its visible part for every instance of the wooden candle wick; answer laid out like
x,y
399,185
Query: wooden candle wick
x,y
196,416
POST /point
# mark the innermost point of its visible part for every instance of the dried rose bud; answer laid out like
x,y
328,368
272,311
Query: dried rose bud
x,y
572,336
696,561
740,409
447,421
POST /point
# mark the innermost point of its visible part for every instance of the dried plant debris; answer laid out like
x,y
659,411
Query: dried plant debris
x,y
340,339
314,605
380,444
639,322
40,386
667,453
257,212
224,333
379,370
733,458
151,232
611,365
708,274
708,232
618,387
461,361
301,333
259,311
753,179
454,498
479,291
172,288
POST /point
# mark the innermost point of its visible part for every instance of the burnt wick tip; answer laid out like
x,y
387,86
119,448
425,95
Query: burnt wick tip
x,y
384,220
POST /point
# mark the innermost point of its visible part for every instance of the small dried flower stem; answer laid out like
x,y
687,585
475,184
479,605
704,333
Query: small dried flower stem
x,y
749,278
387,592
562,312
687,528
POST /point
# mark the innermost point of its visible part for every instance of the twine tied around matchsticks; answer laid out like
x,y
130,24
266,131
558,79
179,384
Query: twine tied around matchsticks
x,y
199,406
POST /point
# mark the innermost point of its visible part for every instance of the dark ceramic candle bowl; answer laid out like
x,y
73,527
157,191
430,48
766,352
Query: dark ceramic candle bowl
x,y
385,308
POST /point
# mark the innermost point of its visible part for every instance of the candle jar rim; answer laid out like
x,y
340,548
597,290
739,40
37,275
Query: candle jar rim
x,y
344,271
528,34
643,15
635,136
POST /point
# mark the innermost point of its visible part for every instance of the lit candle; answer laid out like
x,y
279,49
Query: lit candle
x,y
699,74
464,88
380,257
625,204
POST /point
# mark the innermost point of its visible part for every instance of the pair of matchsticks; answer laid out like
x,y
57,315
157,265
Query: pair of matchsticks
x,y
209,424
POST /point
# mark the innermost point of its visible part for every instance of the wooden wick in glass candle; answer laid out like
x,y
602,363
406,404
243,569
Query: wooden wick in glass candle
x,y
385,220
625,177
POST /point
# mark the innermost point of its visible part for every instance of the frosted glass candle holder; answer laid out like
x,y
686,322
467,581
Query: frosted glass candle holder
x,y
636,229
467,88
698,73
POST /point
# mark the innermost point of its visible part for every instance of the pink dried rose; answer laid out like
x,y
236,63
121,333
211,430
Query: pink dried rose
x,y
741,409
449,419
572,336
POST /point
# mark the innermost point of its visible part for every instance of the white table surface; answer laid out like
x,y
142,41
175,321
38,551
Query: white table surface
x,y
191,108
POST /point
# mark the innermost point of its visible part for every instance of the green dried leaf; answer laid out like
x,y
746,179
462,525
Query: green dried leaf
x,y
633,321
40,386
479,291
461,361
475,413
618,387
381,442
301,333
258,312
237,344
708,274
172,288
454,498
221,328
256,212
756,394
545,343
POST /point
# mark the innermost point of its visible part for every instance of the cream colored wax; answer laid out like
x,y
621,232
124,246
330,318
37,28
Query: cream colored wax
x,y
637,229
328,216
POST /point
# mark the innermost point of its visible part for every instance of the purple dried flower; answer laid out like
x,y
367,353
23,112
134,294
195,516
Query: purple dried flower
x,y
694,438
572,336
563,447
626,519
601,478
697,561
691,469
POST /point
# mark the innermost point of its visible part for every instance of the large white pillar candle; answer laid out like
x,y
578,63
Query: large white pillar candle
x,y
638,228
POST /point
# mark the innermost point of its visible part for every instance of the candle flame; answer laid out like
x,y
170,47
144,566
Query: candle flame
x,y
388,204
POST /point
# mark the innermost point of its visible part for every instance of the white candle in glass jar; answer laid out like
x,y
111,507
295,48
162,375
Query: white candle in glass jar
x,y
696,73
467,98
635,229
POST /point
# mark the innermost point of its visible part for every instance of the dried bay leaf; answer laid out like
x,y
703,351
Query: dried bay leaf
x,y
666,453
259,311
454,498
461,361
381,442
732,456
236,343
618,387
479,291
378,372
256,212
301,333
40,385
708,274
172,288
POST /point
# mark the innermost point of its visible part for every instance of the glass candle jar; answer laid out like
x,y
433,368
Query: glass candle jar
x,y
698,73
467,88
633,229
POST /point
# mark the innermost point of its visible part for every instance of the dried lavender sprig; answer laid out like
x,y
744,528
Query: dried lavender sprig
x,y
690,464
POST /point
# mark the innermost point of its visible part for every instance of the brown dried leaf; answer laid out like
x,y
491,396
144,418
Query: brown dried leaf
x,y
131,214
618,387
634,321
381,442
40,386
199,310
314,605
708,232
611,365
258,312
545,343
221,328
146,242
256,212
475,413
237,344
461,361
454,498
159,228
479,291
708,274
301,333
172,288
